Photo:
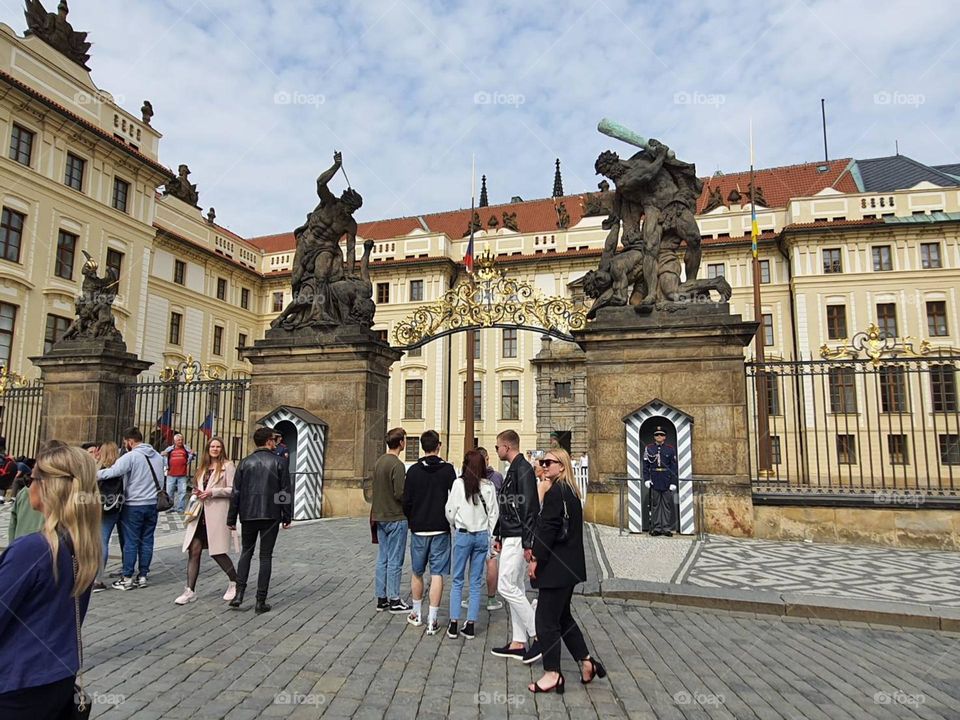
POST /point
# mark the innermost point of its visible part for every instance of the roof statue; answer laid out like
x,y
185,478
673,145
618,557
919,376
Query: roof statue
x,y
55,30
181,187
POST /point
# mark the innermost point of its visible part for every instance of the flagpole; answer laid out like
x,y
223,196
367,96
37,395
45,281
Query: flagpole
x,y
763,420
468,395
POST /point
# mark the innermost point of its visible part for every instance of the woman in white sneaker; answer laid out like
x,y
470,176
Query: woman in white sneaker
x,y
213,488
472,509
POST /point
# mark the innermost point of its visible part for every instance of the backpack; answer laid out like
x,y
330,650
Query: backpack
x,y
8,473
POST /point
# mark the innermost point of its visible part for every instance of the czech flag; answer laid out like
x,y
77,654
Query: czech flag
x,y
468,256
165,426
206,427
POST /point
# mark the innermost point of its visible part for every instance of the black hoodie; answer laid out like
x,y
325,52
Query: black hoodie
x,y
425,494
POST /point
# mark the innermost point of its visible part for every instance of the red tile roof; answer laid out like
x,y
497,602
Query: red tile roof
x,y
780,184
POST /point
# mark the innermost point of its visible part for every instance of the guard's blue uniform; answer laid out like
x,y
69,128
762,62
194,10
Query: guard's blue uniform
x,y
660,468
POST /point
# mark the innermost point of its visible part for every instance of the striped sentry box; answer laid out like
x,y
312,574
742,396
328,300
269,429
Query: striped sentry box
x,y
684,426
306,472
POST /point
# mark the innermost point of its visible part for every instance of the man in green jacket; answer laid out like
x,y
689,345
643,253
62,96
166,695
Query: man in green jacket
x,y
389,474
24,520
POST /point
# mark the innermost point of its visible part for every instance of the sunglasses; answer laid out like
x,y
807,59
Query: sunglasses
x,y
30,479
548,462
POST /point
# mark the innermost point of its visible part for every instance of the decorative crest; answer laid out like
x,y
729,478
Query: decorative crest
x,y
488,298
189,370
878,346
11,380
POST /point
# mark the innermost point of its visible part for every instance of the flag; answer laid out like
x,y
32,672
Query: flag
x,y
206,427
165,426
468,255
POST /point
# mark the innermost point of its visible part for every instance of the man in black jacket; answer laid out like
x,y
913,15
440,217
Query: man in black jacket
x,y
263,499
519,507
425,494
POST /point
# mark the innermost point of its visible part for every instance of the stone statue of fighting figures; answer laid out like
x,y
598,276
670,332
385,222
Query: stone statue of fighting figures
x,y
94,306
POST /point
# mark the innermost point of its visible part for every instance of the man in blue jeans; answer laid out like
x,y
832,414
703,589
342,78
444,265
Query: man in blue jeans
x,y
387,513
141,468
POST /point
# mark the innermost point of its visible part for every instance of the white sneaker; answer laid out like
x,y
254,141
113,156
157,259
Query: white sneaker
x,y
231,592
122,583
188,596
141,582
414,619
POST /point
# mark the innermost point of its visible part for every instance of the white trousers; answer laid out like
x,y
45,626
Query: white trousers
x,y
511,586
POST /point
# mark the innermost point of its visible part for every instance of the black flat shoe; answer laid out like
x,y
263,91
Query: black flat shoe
x,y
558,686
596,670
261,607
238,598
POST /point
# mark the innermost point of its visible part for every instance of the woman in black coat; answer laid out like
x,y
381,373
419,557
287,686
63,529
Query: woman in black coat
x,y
556,567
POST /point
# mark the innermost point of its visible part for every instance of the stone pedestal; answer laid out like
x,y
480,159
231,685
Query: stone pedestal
x,y
342,377
692,359
83,388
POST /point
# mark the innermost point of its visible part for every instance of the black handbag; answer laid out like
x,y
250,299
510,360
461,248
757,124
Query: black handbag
x,y
163,499
81,706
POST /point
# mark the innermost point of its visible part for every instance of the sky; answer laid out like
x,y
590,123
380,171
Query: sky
x,y
256,95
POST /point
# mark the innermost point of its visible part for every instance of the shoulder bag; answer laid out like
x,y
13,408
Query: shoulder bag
x,y
163,499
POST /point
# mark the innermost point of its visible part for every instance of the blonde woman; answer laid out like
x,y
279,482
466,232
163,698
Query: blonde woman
x,y
556,567
111,496
45,579
213,488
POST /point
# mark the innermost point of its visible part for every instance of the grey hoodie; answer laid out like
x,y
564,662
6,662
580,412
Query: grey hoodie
x,y
138,485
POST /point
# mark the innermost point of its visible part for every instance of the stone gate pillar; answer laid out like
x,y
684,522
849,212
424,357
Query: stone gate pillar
x,y
341,377
83,384
693,360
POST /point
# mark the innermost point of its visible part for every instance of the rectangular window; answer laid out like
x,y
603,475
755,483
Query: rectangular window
x,y
383,336
217,340
510,399
831,260
114,260
21,145
56,327
510,343
836,322
943,387
562,390
843,390
415,352
887,319
237,404
882,258
413,399
949,448
416,290
8,319
477,399
278,301
937,318
893,389
179,272
383,293
412,451
764,272
235,446
715,270
773,393
930,256
73,177
221,289
767,329
66,252
245,298
476,345
775,449
897,449
176,321
847,449
11,234
121,189
241,343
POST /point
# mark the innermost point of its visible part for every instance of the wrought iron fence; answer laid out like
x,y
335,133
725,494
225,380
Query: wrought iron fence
x,y
20,408
199,408
883,428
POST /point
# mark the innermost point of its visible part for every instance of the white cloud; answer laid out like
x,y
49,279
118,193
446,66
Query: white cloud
x,y
392,84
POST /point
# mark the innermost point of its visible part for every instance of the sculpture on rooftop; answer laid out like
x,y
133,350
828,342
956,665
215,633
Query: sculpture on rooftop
x,y
94,305
181,187
327,291
55,30
146,111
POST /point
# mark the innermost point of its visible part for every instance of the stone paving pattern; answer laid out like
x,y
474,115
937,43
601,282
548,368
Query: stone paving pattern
x,y
325,652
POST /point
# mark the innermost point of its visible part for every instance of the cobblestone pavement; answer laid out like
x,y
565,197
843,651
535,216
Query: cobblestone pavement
x,y
324,651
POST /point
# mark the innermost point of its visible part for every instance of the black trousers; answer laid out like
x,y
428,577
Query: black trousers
x,y
267,531
554,622
661,510
44,702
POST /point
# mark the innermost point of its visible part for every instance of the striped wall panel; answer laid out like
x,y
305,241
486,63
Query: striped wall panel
x,y
684,426
307,472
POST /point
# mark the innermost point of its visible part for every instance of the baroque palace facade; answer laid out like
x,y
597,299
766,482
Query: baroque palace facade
x,y
844,243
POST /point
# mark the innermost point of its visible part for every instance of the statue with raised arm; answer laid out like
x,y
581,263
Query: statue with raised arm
x,y
57,32
94,306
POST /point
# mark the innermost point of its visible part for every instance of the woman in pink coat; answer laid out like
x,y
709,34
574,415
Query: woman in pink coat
x,y
213,487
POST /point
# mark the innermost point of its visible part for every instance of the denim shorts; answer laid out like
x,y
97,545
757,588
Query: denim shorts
x,y
432,548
